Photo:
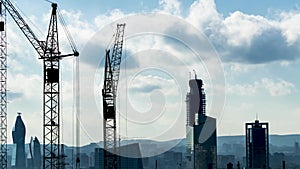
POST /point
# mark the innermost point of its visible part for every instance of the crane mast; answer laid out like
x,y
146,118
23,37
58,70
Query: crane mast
x,y
51,107
49,52
109,94
3,91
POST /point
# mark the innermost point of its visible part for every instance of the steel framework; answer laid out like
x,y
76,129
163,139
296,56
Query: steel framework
x,y
50,54
3,96
109,93
51,107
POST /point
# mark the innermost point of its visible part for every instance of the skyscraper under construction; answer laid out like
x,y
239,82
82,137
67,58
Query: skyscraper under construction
x,y
201,143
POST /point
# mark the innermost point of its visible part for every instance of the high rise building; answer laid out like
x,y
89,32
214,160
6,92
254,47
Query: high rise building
x,y
257,145
297,148
205,143
99,161
130,157
201,142
18,135
190,121
35,154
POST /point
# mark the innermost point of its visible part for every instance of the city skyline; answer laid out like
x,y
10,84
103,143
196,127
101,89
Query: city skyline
x,y
258,79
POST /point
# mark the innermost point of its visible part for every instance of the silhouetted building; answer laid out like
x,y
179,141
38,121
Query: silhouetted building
x,y
223,160
35,154
257,145
18,135
84,160
190,121
276,160
201,142
296,148
229,165
130,158
99,160
205,143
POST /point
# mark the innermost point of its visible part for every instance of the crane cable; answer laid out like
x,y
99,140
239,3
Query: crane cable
x,y
126,97
61,121
126,91
67,32
40,33
76,88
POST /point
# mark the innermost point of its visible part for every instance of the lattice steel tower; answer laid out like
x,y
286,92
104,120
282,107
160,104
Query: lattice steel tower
x,y
49,52
109,94
3,96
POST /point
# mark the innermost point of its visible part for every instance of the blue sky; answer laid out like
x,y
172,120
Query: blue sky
x,y
254,45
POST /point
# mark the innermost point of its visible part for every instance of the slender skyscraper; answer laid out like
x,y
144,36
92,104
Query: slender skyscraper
x,y
35,153
201,130
18,134
257,145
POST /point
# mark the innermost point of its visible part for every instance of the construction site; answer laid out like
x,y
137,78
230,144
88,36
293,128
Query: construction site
x,y
142,85
50,151
52,154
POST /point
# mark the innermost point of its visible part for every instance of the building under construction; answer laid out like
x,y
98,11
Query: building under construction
x,y
201,143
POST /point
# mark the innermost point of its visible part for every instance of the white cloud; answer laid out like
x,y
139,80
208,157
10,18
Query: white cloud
x,y
247,38
107,18
170,6
239,68
289,23
239,28
29,85
203,15
80,30
243,90
278,87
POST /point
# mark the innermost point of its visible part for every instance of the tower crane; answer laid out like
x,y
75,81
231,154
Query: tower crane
x,y
109,95
3,91
49,52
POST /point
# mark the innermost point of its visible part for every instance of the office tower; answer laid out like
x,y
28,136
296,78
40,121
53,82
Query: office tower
x,y
190,121
130,157
296,148
205,143
18,134
35,153
99,161
257,145
201,130
194,105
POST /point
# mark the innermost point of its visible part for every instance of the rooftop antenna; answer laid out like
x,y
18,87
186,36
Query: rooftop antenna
x,y
19,113
256,116
195,73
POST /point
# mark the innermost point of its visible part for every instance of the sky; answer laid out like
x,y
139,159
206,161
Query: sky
x,y
246,52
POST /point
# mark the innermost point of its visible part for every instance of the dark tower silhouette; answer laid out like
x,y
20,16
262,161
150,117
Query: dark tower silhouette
x,y
35,153
229,166
296,147
257,145
18,134
201,130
